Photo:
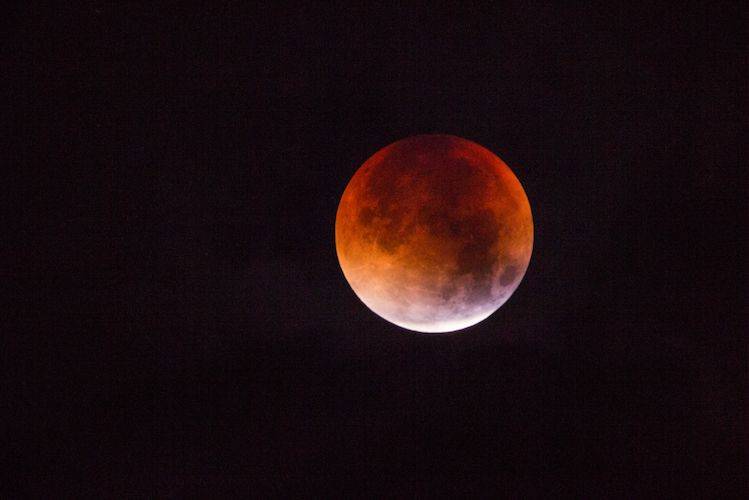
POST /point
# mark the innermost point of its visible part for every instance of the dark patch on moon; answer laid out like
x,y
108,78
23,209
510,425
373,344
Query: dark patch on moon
x,y
509,274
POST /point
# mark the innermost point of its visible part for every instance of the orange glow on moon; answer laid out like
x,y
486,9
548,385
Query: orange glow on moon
x,y
434,233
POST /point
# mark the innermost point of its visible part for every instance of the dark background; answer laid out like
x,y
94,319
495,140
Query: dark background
x,y
189,332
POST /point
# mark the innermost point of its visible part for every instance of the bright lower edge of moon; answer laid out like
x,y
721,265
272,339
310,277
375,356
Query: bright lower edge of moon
x,y
444,326
434,233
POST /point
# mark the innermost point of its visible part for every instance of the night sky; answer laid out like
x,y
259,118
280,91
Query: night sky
x,y
189,330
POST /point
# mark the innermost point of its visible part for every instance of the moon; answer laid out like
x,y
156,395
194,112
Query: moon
x,y
434,233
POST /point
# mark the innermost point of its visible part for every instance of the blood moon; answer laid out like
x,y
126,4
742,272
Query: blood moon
x,y
434,233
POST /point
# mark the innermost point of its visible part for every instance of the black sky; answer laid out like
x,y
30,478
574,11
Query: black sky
x,y
189,331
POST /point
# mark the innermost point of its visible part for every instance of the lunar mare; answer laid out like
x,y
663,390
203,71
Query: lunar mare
x,y
434,233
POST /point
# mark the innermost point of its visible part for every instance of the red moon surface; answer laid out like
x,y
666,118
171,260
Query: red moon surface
x,y
434,233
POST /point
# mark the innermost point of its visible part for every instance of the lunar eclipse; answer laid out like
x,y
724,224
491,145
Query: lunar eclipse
x,y
434,233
